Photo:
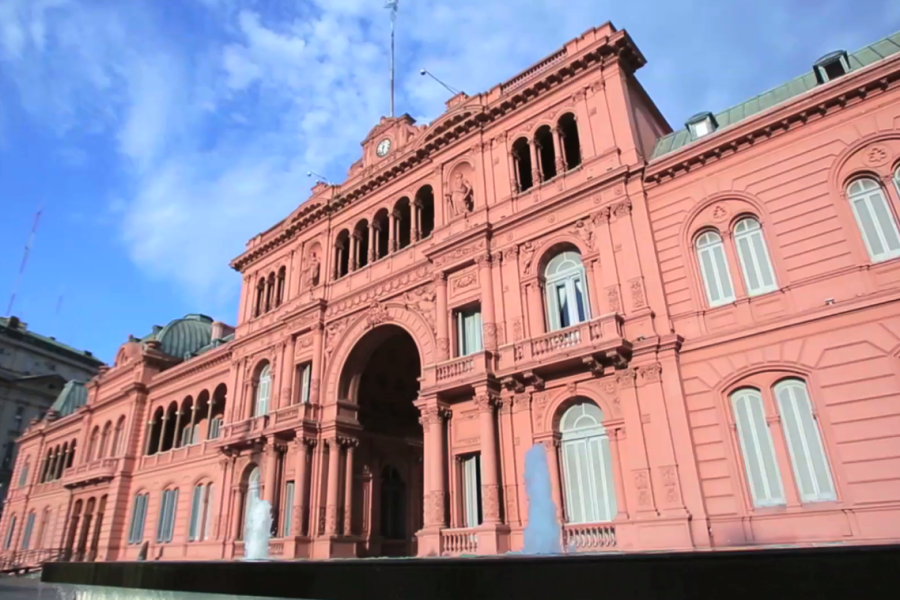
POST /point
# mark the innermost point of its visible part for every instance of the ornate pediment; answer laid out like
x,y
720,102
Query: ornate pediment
x,y
385,141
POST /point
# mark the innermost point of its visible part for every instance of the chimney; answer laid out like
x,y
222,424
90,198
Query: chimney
x,y
218,330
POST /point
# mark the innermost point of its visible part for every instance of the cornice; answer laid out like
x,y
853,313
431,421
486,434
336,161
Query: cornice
x,y
195,365
483,110
808,108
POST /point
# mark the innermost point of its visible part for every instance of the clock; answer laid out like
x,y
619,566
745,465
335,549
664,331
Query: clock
x,y
384,146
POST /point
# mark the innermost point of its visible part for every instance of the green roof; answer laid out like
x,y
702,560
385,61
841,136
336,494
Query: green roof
x,y
183,337
72,397
795,87
20,329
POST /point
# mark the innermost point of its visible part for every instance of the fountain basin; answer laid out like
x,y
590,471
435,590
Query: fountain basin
x,y
833,571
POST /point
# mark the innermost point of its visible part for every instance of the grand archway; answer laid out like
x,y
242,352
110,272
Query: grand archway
x,y
381,377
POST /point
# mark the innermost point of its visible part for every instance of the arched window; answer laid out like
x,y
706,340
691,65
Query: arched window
x,y
23,474
755,262
118,437
279,296
360,245
522,158
10,530
402,223
571,145
566,290
381,226
874,218
26,533
252,496
425,211
757,448
71,458
587,465
342,254
104,440
714,269
167,511
94,448
260,297
270,292
543,141
201,507
804,442
138,518
263,386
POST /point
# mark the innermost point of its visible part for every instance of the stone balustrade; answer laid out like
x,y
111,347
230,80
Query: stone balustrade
x,y
588,537
459,541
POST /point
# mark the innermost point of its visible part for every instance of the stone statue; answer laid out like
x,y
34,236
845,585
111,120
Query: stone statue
x,y
460,196
313,269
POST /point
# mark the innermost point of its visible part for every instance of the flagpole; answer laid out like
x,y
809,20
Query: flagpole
x,y
392,6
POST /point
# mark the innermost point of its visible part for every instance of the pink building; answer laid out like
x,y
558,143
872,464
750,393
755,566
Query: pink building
x,y
702,326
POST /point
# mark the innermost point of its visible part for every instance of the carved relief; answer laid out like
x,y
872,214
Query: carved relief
x,y
876,156
521,402
517,329
434,508
642,483
651,373
622,209
330,519
669,478
443,349
585,230
490,335
465,281
540,402
313,268
612,294
333,333
510,254
459,253
527,253
719,213
486,402
376,315
423,301
625,378
637,293
378,291
490,494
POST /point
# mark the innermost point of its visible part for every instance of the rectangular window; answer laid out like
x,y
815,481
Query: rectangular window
x,y
757,448
186,436
167,509
471,475
208,507
138,516
214,427
9,533
305,374
196,516
288,509
468,331
26,535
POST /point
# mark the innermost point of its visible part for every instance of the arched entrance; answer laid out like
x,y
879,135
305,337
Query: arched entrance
x,y
381,376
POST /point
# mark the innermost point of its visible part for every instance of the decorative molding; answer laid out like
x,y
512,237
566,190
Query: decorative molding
x,y
379,291
460,253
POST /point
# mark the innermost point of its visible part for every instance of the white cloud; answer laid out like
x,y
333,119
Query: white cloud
x,y
217,132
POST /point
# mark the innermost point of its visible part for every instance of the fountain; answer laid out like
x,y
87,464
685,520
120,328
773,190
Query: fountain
x,y
542,534
258,531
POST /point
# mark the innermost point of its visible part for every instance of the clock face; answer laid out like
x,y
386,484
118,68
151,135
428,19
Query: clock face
x,y
384,146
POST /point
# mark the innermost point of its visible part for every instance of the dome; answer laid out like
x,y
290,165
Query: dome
x,y
183,337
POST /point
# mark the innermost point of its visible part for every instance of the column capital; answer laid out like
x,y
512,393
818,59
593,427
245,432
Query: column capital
x,y
348,442
483,260
487,401
439,278
625,378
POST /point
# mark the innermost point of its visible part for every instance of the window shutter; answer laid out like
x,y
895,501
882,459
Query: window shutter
x,y
161,525
477,341
460,334
172,512
288,508
471,478
26,535
804,442
757,449
875,219
196,507
304,383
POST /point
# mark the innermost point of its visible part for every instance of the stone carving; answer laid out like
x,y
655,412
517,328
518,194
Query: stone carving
x,y
612,294
670,483
313,270
490,494
601,216
304,342
540,402
486,402
651,373
625,378
434,508
490,336
333,333
637,293
461,196
527,253
431,415
571,388
330,519
510,253
378,291
622,208
517,329
460,253
443,349
876,156
501,333
642,483
423,301
719,213
521,402
376,315
465,281
314,391
585,230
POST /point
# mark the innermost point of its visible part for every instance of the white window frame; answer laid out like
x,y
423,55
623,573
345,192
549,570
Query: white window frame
x,y
286,521
869,196
755,441
208,503
263,389
196,512
755,259
471,480
305,382
253,496
804,441
187,435
592,482
567,280
29,527
709,244
10,530
138,519
469,331
167,512
215,425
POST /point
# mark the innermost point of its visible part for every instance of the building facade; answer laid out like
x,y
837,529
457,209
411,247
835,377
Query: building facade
x,y
701,326
33,370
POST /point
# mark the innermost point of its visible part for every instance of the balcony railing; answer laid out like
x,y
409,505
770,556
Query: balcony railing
x,y
577,339
458,541
463,368
588,537
104,468
557,340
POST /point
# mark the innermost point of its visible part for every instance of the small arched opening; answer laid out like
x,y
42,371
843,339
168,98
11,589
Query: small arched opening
x,y
403,222
571,145
342,254
543,140
380,224
522,157
425,211
360,245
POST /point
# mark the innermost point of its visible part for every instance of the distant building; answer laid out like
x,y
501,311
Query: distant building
x,y
33,370
702,326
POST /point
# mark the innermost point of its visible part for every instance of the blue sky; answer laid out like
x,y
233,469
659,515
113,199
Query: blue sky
x,y
160,135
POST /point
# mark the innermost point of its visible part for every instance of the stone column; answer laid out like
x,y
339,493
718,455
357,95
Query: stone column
x,y
354,251
443,337
337,260
515,183
610,295
594,289
318,358
270,483
162,432
392,231
331,498
535,308
301,445
373,242
490,481
535,169
209,411
176,437
287,374
350,445
432,420
618,474
238,508
559,151
637,446
416,218
488,317
552,449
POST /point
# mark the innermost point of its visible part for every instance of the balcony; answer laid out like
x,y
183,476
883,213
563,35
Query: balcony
x,y
455,542
461,371
588,537
283,419
97,471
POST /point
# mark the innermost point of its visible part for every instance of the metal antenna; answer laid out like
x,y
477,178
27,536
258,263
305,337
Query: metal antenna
x,y
391,5
34,227
424,72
